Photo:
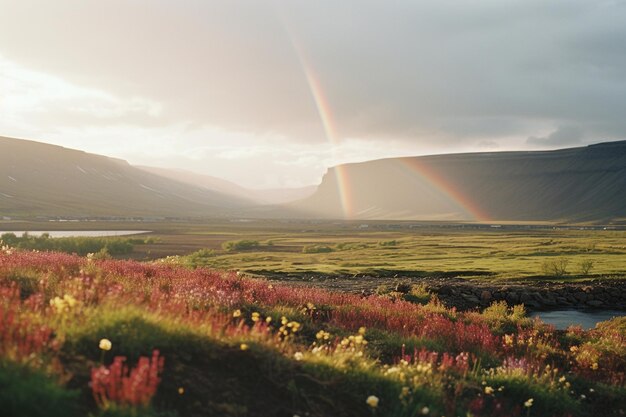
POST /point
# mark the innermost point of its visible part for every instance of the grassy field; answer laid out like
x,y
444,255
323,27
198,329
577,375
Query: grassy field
x,y
115,338
498,254
382,248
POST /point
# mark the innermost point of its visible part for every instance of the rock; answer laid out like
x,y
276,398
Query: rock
x,y
525,297
512,299
532,304
549,301
470,298
581,296
499,295
485,296
445,290
595,303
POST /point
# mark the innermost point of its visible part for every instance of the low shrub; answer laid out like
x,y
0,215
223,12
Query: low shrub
x,y
555,267
235,245
586,267
316,249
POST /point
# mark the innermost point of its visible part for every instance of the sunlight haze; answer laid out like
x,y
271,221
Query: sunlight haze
x,y
272,93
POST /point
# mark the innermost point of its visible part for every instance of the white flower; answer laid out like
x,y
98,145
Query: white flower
x,y
425,410
105,344
298,356
372,401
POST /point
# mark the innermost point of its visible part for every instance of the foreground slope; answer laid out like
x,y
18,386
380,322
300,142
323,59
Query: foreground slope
x,y
578,184
87,337
38,179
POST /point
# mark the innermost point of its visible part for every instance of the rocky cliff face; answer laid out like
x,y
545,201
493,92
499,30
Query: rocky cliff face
x,y
578,184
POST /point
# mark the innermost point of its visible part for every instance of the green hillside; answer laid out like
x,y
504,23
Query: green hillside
x,y
38,179
578,184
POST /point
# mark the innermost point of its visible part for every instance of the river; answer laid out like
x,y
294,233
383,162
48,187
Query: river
x,y
80,233
587,319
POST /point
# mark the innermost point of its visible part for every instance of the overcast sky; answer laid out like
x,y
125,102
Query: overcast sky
x,y
271,93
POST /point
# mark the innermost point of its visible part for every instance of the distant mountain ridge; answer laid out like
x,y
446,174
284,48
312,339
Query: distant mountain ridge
x,y
576,184
38,179
261,196
585,184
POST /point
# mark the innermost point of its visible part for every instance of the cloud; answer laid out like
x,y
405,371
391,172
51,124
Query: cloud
x,y
43,100
563,136
408,70
397,77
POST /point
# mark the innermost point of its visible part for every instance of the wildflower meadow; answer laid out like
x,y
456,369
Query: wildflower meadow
x,y
81,336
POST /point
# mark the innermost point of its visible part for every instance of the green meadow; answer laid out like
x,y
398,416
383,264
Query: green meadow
x,y
380,249
486,254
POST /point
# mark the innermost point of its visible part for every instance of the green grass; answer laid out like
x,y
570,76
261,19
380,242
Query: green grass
x,y
383,249
561,254
25,391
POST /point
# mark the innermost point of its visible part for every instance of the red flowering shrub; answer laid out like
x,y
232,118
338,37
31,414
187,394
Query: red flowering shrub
x,y
117,385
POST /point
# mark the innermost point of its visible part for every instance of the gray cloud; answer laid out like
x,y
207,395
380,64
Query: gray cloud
x,y
456,72
563,136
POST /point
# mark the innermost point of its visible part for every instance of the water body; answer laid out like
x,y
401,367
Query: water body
x,y
587,319
80,233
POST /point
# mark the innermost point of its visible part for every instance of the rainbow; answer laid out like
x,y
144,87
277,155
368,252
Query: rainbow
x,y
329,125
326,117
325,113
449,189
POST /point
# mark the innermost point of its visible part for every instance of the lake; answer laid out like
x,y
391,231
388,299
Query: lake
x,y
80,233
587,319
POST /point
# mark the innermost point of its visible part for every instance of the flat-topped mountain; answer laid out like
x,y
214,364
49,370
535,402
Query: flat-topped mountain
x,y
577,184
38,179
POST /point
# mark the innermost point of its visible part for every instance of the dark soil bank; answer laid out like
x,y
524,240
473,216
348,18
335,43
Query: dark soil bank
x,y
467,294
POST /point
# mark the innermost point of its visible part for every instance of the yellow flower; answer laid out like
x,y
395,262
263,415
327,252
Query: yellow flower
x,y
322,335
243,346
508,340
61,305
528,403
372,401
105,344
594,366
268,319
237,313
255,316
362,330
489,390
562,379
573,349
181,390
295,326
58,304
298,356
69,300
